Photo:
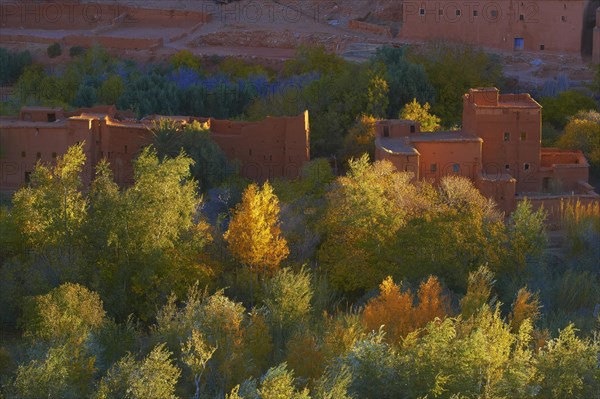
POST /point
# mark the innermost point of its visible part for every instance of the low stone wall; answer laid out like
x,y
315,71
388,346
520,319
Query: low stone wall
x,y
371,28
112,42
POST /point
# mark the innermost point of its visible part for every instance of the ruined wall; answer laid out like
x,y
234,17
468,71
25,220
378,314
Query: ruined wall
x,y
548,25
500,188
113,42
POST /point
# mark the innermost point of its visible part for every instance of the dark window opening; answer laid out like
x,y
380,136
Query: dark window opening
x,y
125,149
506,136
421,11
563,18
542,47
526,167
53,155
441,12
413,128
507,167
546,183
433,167
475,13
386,131
23,154
39,155
521,17
51,117
456,168
458,13
523,136
27,177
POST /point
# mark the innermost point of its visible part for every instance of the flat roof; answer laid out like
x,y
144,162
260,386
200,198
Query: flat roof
x,y
398,146
445,136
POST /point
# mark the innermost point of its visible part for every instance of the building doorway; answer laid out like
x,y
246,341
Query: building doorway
x,y
519,44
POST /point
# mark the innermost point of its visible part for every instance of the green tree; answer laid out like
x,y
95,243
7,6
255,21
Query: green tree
x,y
478,292
111,90
54,50
195,353
583,133
569,366
278,383
527,238
420,113
66,314
153,377
12,65
185,58
558,110
64,372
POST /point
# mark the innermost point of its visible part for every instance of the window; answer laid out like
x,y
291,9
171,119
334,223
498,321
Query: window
x,y
27,177
39,155
494,14
475,13
563,18
433,167
456,168
507,167
421,11
23,154
458,12
542,47
506,136
523,136
53,155
52,117
441,12
526,167
125,149
521,17
413,128
519,43
386,131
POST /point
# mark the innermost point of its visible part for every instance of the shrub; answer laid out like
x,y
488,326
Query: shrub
x,y
76,51
54,50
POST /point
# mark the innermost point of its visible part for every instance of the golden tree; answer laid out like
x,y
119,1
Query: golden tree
x,y
254,234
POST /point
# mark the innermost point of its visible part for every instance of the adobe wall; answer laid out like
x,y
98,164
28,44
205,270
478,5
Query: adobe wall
x,y
402,163
113,42
371,28
596,40
445,155
520,158
271,148
555,24
501,189
85,16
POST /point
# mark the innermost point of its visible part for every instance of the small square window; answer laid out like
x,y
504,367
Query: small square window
x,y
23,154
421,11
386,131
475,13
441,12
456,168
413,128
523,136
506,136
39,155
507,167
125,149
563,18
494,13
433,167
52,117
542,47
521,17
458,13
526,167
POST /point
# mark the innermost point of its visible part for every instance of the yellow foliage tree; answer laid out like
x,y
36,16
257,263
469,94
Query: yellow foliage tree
x,y
393,309
432,303
254,234
420,113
